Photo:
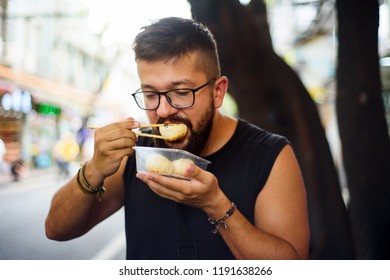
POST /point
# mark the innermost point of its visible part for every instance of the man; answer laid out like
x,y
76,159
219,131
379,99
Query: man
x,y
252,194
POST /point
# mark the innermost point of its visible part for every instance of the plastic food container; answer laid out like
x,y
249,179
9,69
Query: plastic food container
x,y
169,162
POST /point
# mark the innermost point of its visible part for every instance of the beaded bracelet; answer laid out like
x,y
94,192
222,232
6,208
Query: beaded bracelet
x,y
221,222
86,187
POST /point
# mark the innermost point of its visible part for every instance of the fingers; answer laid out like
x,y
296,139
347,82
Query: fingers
x,y
197,174
195,191
115,131
115,141
112,143
166,187
128,124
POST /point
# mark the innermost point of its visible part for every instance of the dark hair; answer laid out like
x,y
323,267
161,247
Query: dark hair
x,y
172,38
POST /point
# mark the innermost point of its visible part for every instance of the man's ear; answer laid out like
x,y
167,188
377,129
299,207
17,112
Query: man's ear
x,y
220,88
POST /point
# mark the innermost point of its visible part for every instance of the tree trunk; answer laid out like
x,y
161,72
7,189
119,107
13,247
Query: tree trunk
x,y
363,128
271,95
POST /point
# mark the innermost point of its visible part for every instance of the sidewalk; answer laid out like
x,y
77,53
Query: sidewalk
x,y
32,173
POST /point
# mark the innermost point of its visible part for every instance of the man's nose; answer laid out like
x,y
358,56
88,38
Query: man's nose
x,y
165,109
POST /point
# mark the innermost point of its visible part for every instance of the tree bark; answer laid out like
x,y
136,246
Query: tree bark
x,y
363,129
271,95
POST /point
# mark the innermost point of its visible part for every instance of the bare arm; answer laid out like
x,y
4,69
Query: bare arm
x,y
281,229
72,212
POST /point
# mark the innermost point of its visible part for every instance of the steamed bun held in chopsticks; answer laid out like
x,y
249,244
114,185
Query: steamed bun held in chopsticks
x,y
173,132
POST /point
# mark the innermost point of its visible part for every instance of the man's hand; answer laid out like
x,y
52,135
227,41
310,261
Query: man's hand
x,y
112,143
200,191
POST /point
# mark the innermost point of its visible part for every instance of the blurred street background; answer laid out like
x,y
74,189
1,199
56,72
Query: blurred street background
x,y
65,64
23,209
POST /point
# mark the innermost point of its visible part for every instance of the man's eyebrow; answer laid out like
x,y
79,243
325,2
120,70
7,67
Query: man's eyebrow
x,y
181,82
146,86
173,84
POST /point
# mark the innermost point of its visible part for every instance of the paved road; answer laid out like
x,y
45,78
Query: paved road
x,y
23,209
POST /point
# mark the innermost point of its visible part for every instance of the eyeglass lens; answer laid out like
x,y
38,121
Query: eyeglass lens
x,y
178,98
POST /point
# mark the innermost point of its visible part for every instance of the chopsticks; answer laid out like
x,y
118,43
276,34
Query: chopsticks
x,y
140,133
148,135
91,126
155,125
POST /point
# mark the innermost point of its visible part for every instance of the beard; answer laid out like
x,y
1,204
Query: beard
x,y
197,138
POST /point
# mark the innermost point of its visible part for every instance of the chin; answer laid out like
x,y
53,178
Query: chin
x,y
178,144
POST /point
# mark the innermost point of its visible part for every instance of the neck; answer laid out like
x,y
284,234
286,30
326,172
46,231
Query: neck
x,y
221,132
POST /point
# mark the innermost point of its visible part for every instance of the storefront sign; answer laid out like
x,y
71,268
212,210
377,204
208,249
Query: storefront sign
x,y
48,109
18,100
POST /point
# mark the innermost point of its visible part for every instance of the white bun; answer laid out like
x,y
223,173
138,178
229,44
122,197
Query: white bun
x,y
159,164
181,165
173,132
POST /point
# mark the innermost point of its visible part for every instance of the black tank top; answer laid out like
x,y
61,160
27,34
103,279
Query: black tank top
x,y
242,168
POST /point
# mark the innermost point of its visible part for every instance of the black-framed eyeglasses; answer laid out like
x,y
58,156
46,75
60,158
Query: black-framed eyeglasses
x,y
179,98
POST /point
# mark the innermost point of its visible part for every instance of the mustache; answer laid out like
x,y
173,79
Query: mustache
x,y
175,120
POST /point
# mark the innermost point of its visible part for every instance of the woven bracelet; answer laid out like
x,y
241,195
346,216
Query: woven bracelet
x,y
101,189
221,222
83,189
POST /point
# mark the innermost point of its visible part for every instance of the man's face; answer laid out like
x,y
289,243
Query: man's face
x,y
183,73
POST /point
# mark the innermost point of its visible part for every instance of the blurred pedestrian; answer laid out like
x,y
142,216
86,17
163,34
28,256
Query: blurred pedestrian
x,y
3,151
66,151
18,168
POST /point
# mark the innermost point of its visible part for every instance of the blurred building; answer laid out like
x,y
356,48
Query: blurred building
x,y
54,72
304,32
